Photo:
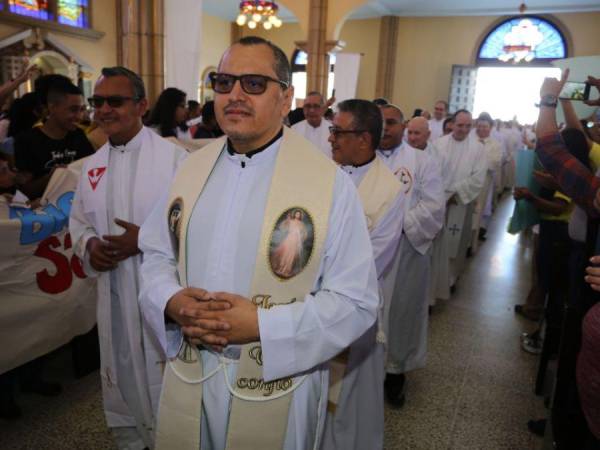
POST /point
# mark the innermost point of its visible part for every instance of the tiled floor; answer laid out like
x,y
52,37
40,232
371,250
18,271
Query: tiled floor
x,y
476,392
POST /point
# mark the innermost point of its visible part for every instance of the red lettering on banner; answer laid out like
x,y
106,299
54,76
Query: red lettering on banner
x,y
59,282
64,269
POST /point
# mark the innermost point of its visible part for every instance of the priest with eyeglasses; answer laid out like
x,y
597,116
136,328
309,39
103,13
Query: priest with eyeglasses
x,y
117,191
257,271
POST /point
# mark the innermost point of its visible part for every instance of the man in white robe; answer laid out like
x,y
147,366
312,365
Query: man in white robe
x,y
407,285
493,153
436,123
357,422
315,128
464,168
497,135
117,190
298,338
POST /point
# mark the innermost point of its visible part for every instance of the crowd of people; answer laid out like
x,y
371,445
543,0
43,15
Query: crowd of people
x,y
271,286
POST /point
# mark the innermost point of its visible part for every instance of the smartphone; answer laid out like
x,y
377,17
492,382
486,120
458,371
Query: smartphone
x,y
575,90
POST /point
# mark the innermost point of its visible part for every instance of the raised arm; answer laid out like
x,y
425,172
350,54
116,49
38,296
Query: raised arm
x,y
10,86
575,180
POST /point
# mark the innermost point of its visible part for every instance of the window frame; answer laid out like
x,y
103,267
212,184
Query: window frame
x,y
536,62
53,24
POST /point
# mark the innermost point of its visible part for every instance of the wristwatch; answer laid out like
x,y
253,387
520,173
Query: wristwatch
x,y
549,100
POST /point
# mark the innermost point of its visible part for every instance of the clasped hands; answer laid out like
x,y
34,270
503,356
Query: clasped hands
x,y
108,252
214,319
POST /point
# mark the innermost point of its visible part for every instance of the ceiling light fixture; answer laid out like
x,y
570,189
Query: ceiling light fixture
x,y
253,12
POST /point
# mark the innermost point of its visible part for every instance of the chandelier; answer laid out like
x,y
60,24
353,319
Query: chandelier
x,y
521,41
253,12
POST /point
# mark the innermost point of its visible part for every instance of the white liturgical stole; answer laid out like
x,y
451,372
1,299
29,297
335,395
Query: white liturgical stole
x,y
287,264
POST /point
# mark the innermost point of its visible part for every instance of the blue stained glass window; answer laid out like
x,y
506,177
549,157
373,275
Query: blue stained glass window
x,y
67,12
551,46
73,12
37,9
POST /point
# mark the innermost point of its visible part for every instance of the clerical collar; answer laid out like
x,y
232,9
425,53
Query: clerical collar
x,y
386,153
133,144
361,168
251,153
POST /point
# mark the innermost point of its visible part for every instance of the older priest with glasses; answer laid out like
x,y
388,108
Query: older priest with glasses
x,y
258,270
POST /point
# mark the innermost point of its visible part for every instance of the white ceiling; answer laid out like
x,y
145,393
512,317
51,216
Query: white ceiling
x,y
228,9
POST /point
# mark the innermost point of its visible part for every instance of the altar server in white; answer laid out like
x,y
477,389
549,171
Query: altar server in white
x,y
357,421
260,252
118,188
407,285
315,127
464,168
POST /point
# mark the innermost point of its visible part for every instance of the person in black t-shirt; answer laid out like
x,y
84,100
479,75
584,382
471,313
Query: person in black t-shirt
x,y
58,142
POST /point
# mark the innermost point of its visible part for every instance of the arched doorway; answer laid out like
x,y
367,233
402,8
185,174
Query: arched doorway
x,y
512,60
52,62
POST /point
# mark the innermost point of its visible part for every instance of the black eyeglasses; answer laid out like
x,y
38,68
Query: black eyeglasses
x,y
253,84
337,131
114,101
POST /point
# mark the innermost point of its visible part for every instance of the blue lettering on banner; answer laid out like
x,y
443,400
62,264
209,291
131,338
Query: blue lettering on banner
x,y
39,224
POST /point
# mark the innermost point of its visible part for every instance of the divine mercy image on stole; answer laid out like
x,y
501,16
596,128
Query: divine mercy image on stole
x,y
291,243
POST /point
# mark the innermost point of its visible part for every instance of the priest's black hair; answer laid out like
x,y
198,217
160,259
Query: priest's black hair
x,y
366,116
466,111
282,65
137,85
380,101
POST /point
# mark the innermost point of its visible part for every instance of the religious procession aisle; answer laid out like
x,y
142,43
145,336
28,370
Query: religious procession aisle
x,y
477,389
476,392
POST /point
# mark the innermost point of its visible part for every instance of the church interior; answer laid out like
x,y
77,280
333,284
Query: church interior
x,y
504,363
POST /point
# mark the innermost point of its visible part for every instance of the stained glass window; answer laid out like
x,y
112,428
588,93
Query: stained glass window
x,y
529,39
37,9
73,12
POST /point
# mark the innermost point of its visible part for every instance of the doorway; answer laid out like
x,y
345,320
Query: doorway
x,y
509,92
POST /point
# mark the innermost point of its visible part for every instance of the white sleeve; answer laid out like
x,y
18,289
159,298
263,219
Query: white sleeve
x,y
440,156
469,188
158,272
495,156
302,335
81,230
425,219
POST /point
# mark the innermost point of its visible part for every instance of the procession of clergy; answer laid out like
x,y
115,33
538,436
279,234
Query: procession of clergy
x,y
260,292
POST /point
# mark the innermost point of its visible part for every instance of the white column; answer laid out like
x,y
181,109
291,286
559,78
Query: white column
x,y
183,21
